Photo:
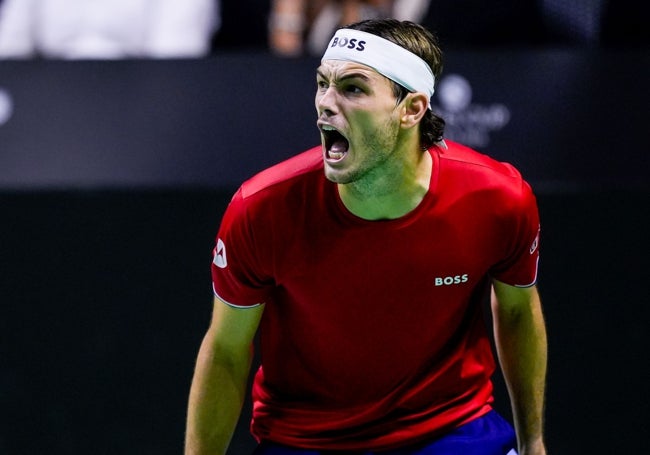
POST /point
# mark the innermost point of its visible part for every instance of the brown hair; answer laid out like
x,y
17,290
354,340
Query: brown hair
x,y
420,41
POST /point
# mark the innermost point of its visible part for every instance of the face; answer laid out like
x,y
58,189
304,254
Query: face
x,y
359,121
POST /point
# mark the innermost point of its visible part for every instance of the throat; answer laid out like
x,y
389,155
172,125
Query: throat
x,y
388,197
379,207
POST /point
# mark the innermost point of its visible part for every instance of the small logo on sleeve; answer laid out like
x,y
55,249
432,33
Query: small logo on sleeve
x,y
220,259
535,243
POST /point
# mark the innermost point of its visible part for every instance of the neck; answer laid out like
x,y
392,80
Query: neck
x,y
393,194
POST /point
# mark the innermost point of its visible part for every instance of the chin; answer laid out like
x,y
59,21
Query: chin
x,y
336,176
332,176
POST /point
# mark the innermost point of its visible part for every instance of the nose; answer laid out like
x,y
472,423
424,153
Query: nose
x,y
326,101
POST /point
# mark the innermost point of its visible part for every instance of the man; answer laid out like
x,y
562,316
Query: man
x,y
364,262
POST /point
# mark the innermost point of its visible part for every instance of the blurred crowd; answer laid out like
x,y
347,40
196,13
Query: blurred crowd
x,y
107,29
111,29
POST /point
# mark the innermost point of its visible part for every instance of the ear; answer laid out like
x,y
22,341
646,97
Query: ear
x,y
415,105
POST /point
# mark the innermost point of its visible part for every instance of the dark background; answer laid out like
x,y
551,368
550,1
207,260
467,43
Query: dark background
x,y
106,296
114,177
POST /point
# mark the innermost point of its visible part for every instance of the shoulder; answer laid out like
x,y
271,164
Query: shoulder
x,y
463,167
284,174
460,156
273,196
279,190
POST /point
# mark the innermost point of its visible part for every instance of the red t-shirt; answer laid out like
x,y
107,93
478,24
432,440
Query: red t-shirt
x,y
373,335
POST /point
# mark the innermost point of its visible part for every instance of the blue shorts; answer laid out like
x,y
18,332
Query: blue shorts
x,y
487,435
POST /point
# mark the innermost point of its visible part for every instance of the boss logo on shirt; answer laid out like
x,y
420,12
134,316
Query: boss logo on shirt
x,y
349,43
450,280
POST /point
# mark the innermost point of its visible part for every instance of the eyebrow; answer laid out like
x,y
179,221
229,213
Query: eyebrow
x,y
347,76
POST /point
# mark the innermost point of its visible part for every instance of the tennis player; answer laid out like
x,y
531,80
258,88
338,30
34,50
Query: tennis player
x,y
364,263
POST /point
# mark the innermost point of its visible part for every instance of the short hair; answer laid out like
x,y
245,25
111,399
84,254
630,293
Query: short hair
x,y
423,43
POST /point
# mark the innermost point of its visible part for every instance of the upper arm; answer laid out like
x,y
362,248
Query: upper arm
x,y
513,301
234,328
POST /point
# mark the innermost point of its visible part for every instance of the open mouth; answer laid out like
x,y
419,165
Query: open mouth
x,y
336,145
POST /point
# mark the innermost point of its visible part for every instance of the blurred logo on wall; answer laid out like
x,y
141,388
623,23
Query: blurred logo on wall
x,y
466,122
6,106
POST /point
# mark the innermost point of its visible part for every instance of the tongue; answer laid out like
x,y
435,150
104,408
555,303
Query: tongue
x,y
338,149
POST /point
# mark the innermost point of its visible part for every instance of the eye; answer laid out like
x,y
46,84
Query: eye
x,y
352,88
321,84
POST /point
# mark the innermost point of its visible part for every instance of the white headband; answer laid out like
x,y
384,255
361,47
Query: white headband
x,y
384,56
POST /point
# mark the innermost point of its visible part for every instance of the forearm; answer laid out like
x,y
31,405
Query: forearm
x,y
521,343
216,398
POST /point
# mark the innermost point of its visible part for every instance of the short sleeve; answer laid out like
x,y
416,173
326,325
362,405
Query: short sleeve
x,y
237,268
522,231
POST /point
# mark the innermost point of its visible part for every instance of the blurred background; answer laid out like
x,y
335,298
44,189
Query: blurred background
x,y
125,127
